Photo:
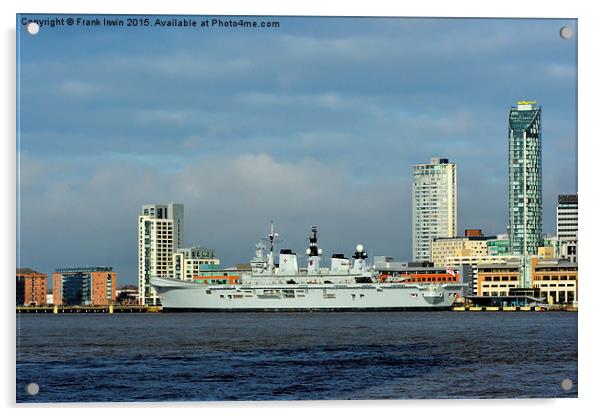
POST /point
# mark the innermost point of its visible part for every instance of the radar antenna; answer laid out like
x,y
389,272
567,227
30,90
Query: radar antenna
x,y
313,249
272,237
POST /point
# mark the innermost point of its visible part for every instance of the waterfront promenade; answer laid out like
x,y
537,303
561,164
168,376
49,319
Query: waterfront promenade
x,y
155,309
89,309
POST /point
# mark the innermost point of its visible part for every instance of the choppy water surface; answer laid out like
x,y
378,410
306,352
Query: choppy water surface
x,y
296,356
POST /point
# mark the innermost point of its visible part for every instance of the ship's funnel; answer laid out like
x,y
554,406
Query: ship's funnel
x,y
339,263
288,262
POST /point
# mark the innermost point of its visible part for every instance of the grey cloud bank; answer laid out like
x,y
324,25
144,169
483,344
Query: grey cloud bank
x,y
318,122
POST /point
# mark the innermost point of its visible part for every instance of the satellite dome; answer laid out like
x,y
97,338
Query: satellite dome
x,y
307,251
320,251
359,247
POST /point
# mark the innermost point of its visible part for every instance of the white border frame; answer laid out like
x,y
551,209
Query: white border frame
x,y
589,89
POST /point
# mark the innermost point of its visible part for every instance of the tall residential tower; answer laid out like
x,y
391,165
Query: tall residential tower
x,y
434,212
567,229
567,217
524,178
160,234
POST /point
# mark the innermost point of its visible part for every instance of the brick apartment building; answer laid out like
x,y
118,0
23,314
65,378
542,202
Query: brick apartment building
x,y
92,286
31,287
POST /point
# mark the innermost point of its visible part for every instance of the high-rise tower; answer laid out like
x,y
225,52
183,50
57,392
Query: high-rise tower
x,y
567,217
524,178
434,212
160,234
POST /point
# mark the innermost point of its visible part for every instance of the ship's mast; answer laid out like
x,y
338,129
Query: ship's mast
x,y
313,252
272,238
272,235
313,241
360,257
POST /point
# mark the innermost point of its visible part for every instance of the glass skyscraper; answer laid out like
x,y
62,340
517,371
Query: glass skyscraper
x,y
524,178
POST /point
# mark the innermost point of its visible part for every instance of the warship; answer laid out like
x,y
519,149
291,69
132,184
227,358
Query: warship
x,y
284,286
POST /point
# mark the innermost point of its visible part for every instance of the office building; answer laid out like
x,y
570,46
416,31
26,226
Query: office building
x,y
473,244
500,246
89,286
556,279
496,279
31,287
567,226
524,178
189,263
160,234
568,250
472,264
567,217
434,205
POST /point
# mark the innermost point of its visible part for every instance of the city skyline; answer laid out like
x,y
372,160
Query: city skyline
x,y
287,139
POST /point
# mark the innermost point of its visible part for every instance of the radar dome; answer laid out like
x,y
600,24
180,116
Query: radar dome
x,y
307,251
320,251
359,247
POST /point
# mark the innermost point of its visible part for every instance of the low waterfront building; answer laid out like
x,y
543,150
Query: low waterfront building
x,y
189,263
31,287
473,261
90,286
556,279
473,244
496,279
516,297
417,272
127,295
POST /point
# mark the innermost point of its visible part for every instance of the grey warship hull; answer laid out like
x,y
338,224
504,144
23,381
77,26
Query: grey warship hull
x,y
177,295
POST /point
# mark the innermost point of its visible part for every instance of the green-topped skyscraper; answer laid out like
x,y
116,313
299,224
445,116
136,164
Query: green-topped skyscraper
x,y
524,176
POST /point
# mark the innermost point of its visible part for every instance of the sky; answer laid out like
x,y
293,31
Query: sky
x,y
318,121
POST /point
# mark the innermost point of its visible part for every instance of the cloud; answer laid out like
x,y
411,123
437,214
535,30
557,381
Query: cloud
x,y
319,122
179,117
228,203
560,71
80,89
181,64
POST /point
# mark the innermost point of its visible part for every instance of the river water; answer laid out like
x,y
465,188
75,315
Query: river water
x,y
295,356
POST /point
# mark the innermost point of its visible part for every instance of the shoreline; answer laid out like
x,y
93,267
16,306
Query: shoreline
x,y
111,309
